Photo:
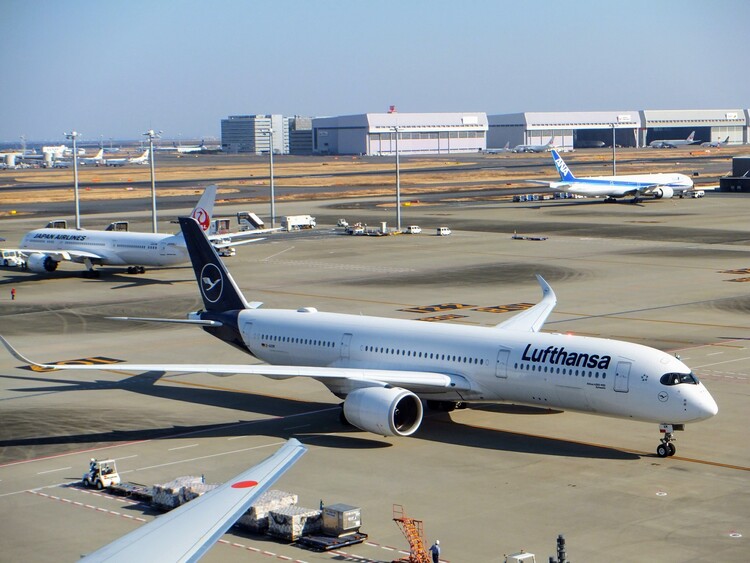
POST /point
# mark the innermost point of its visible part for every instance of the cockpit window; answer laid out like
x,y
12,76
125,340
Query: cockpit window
x,y
677,378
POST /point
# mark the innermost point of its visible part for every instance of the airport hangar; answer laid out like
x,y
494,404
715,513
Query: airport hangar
x,y
632,128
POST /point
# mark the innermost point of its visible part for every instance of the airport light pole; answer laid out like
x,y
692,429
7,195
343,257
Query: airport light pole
x,y
73,136
614,145
151,134
398,183
269,132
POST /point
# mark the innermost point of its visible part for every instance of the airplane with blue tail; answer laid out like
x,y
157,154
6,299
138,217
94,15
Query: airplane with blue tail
x,y
613,187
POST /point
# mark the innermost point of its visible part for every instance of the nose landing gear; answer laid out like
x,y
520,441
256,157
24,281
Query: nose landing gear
x,y
667,448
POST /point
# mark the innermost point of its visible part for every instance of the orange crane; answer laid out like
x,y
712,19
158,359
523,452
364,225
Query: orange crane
x,y
414,531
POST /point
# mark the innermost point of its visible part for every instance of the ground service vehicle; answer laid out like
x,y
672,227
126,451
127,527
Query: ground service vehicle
x,y
101,474
443,231
12,258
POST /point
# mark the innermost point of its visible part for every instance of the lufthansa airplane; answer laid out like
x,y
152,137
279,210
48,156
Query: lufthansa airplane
x,y
612,187
383,368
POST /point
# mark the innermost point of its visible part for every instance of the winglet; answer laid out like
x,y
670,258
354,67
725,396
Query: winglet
x,y
20,357
532,320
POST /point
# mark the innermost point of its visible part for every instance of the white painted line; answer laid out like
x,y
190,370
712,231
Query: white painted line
x,y
182,447
725,362
126,457
239,437
53,470
714,353
210,456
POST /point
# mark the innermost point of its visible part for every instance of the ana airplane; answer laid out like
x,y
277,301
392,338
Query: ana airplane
x,y
535,148
612,187
383,368
188,532
673,143
716,144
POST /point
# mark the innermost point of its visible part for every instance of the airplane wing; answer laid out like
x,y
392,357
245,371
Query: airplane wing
x,y
532,320
60,255
188,532
416,381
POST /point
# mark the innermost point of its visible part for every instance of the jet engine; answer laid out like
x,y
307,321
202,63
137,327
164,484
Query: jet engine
x,y
41,263
663,191
388,411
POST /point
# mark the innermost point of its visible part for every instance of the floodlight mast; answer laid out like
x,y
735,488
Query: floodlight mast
x,y
73,135
269,132
151,134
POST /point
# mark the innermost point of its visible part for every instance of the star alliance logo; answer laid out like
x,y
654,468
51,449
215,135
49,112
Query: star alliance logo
x,y
212,283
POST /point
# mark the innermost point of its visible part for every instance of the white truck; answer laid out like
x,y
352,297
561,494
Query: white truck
x,y
12,258
297,222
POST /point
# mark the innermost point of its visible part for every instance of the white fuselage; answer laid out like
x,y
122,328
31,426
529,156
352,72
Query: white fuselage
x,y
617,185
115,248
591,375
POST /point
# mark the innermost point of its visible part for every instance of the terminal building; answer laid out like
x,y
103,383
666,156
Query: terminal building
x,y
378,134
250,133
631,128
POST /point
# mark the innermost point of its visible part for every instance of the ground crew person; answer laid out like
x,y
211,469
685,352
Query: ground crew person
x,y
435,551
13,294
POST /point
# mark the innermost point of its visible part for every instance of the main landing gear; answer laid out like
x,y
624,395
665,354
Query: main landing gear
x,y
136,270
667,448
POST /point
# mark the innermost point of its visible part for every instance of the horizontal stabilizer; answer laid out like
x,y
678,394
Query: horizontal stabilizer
x,y
199,322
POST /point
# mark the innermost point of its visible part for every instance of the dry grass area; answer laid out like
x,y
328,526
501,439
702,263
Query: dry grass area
x,y
317,175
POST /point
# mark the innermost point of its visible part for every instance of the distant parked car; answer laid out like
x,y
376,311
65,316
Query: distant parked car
x,y
413,229
443,231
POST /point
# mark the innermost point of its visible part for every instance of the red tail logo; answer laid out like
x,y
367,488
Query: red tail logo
x,y
203,218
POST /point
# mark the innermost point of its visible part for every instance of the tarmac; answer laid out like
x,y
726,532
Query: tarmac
x,y
487,480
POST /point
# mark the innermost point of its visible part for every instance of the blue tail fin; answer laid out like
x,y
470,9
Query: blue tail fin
x,y
218,290
565,174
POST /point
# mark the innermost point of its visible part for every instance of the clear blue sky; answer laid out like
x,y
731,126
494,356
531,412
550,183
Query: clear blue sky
x,y
114,69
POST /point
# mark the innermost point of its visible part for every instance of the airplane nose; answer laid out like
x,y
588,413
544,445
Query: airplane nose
x,y
706,406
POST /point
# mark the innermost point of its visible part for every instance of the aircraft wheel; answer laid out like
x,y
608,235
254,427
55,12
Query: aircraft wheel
x,y
99,485
671,449
662,450
86,483
141,270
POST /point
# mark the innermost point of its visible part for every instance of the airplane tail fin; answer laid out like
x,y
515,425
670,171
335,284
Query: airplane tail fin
x,y
565,174
551,142
691,137
204,210
99,155
507,145
217,288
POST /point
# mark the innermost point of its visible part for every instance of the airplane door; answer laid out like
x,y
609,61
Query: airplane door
x,y
345,341
622,377
501,366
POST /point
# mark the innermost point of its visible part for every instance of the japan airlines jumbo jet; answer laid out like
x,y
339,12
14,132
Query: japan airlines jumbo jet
x,y
383,368
673,143
46,248
188,532
535,148
611,187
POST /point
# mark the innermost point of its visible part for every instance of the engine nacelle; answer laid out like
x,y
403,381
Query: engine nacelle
x,y
41,263
388,411
663,191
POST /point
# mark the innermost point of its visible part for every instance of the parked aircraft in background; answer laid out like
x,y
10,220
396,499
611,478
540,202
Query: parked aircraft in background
x,y
716,144
383,368
535,148
506,148
673,143
45,248
188,532
97,159
202,148
612,187
143,159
